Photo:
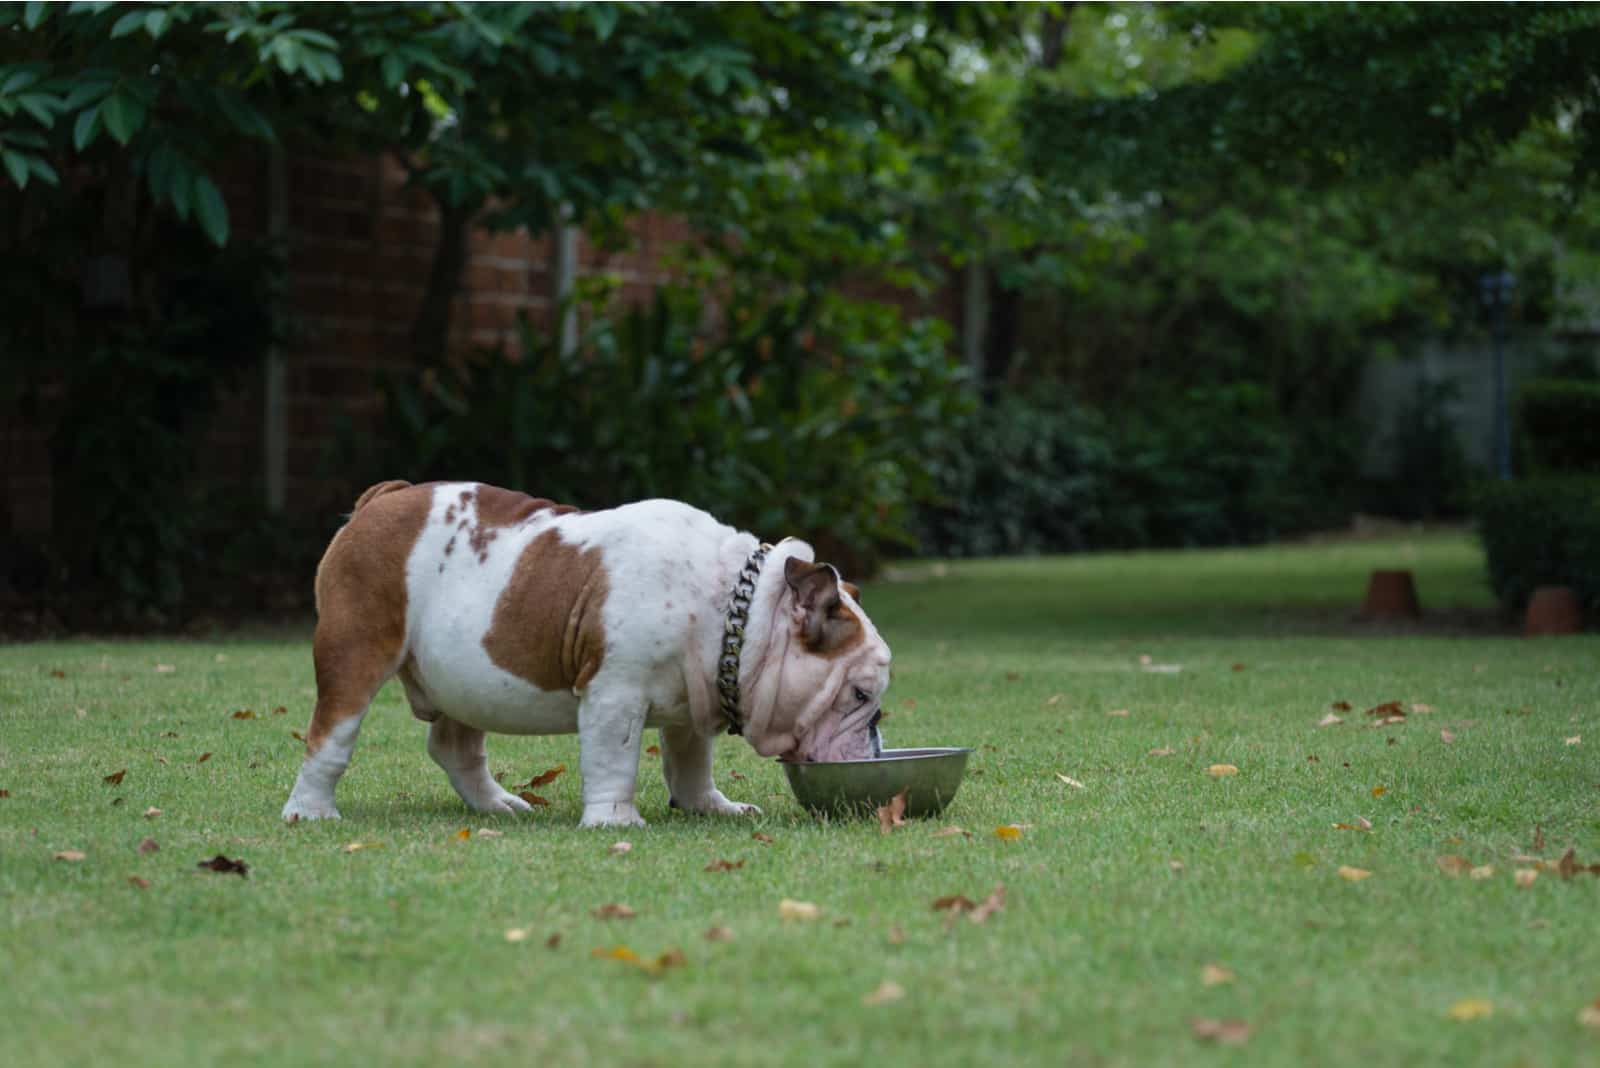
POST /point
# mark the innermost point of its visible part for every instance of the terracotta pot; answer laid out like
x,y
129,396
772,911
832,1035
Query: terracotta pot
x,y
1391,595
1553,610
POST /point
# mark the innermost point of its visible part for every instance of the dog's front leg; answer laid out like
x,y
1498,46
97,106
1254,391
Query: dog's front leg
x,y
686,765
610,726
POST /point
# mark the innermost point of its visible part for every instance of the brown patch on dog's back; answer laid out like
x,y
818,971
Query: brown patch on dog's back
x,y
548,626
361,601
506,508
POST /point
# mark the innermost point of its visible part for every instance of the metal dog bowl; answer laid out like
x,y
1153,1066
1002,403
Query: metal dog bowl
x,y
930,778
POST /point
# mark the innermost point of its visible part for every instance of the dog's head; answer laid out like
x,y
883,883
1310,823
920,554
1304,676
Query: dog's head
x,y
819,692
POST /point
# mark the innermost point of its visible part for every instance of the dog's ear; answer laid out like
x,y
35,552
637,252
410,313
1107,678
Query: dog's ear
x,y
824,625
853,590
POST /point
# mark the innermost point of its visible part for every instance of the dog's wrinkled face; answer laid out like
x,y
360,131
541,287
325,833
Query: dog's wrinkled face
x,y
842,664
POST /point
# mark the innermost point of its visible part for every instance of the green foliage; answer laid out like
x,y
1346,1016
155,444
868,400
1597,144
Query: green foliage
x,y
1558,426
1541,531
808,415
1040,472
1431,477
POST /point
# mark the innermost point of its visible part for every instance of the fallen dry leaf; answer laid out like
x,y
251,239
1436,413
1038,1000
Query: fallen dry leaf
x,y
1379,791
1340,706
1471,1009
57,673
718,934
1354,875
1329,720
148,846
1386,710
1589,1015
1447,736
1361,824
544,778
1221,771
654,750
1175,866
297,736
1576,739
893,814
1526,876
1482,871
1215,975
1238,667
1232,1032
954,902
619,848
244,713
1070,781
222,864
152,812
115,777
1161,752
764,839
672,958
1010,832
553,942
142,884
613,910
989,905
490,832
165,669
725,865
798,910
1453,864
280,711
69,854
463,834
951,832
1419,707
1538,838
1567,866
517,934
5,793
896,936
356,847
1119,712
887,991
1053,699
203,758
533,799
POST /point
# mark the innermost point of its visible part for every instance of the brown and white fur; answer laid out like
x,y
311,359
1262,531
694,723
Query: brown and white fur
x,y
502,612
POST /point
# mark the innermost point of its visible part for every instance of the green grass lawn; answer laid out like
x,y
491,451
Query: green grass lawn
x,y
1118,895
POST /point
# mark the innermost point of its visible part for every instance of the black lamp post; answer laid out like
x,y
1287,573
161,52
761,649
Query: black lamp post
x,y
1495,289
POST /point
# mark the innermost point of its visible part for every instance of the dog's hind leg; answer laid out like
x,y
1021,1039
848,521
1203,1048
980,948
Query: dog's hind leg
x,y
458,749
348,678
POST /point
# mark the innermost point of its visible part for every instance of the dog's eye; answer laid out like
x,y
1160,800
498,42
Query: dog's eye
x,y
862,696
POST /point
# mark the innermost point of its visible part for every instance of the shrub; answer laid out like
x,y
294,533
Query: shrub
x,y
1558,424
808,416
1542,531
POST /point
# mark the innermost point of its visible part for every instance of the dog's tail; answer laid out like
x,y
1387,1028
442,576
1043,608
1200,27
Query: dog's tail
x,y
378,491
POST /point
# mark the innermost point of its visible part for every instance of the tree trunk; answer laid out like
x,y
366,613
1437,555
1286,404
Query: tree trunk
x,y
430,333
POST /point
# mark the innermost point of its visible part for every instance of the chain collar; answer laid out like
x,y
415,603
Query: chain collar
x,y
733,637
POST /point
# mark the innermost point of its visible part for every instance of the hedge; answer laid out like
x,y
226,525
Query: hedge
x,y
1558,422
1542,532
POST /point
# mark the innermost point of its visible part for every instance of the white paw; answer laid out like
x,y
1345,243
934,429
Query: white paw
x,y
500,801
611,814
294,811
714,804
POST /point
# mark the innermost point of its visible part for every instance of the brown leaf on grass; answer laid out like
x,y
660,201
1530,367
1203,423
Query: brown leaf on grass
x,y
1216,975
148,846
619,848
672,958
1162,751
297,736
57,673
1589,1015
764,839
893,814
553,942
951,832
5,793
1312,758
142,884
1354,875
1053,699
1387,710
463,834
165,669
654,750
1010,832
1361,824
989,905
1453,864
1447,736
544,778
1538,838
1012,676
1379,791
954,903
280,711
1340,706
896,936
244,713
1576,739
116,777
223,865
356,847
1238,667
1070,781
533,799
1481,872
1221,771
1231,1032
725,865
1472,1009
1119,712
719,934
69,854
203,758
517,934
1525,877
614,911
734,775
1329,720
1568,865
887,991
790,909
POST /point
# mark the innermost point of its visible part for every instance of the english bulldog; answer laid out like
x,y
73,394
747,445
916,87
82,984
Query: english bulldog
x,y
503,612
